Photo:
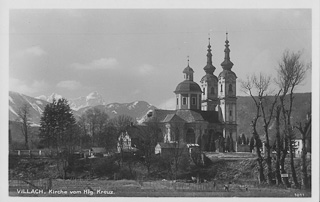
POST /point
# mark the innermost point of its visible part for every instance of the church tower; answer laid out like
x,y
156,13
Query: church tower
x,y
227,95
209,85
188,92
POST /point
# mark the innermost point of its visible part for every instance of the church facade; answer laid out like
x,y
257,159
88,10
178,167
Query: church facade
x,y
205,114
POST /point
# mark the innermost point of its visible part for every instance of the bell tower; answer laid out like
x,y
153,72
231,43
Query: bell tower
x,y
209,85
227,95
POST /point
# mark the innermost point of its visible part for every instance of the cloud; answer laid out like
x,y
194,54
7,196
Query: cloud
x,y
102,63
21,87
168,104
146,69
35,51
70,85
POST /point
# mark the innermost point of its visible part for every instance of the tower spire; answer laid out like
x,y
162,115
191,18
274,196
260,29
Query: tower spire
x,y
209,68
227,64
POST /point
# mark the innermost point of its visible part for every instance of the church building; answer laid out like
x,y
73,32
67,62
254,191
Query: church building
x,y
205,114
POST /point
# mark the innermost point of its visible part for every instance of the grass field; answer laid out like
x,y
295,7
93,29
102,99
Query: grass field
x,y
131,188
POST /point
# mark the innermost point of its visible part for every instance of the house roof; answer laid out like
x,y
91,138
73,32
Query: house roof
x,y
98,150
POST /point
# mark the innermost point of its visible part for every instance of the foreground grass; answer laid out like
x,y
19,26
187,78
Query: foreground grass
x,y
130,188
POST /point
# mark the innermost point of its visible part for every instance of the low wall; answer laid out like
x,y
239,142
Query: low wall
x,y
243,148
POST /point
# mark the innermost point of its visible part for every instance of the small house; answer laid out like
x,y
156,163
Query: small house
x,y
97,152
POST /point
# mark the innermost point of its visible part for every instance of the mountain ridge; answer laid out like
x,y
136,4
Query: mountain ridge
x,y
135,109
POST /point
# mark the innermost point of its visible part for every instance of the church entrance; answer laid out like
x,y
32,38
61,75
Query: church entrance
x,y
191,136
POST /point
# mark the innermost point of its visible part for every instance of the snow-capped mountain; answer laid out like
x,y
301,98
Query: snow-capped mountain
x,y
93,99
35,105
50,97
135,109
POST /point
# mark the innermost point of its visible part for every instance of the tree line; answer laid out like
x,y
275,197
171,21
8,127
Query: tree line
x,y
291,72
60,130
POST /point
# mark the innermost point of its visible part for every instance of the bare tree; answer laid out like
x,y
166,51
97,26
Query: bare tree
x,y
24,119
267,117
291,72
304,130
252,83
278,146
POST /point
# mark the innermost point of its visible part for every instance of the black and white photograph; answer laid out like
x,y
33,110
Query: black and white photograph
x,y
179,101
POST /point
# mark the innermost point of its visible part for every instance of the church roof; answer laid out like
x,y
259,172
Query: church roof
x,y
172,118
183,115
187,86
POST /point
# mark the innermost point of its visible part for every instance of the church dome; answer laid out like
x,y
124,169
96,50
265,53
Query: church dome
x,y
187,86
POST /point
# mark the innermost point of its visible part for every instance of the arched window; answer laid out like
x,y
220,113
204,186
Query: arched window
x,y
230,87
204,91
221,87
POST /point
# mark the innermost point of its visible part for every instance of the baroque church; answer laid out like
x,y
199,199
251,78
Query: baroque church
x,y
206,114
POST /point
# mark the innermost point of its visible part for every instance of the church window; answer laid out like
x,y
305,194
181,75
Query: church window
x,y
194,101
221,88
212,90
184,101
204,91
230,87
177,101
230,113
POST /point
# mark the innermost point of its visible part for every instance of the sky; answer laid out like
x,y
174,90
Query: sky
x,y
139,54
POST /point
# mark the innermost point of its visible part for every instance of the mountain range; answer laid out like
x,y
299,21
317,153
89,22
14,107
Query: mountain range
x,y
137,109
79,105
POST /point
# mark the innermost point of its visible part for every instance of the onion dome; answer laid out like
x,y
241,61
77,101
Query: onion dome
x,y
209,68
227,64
